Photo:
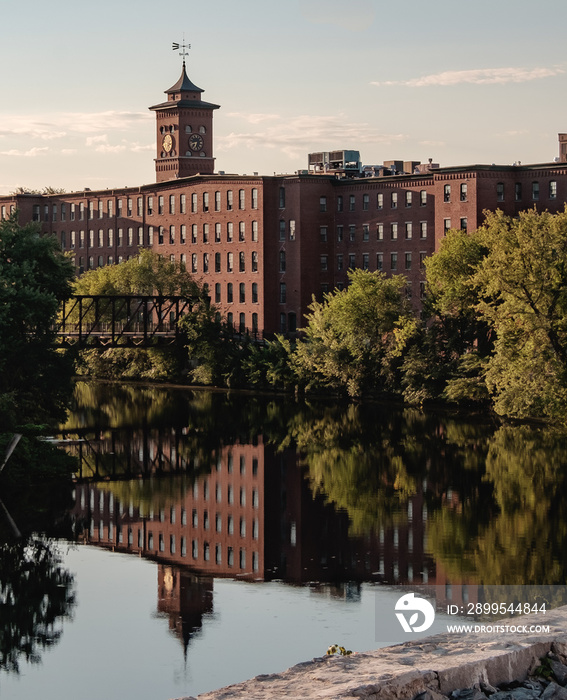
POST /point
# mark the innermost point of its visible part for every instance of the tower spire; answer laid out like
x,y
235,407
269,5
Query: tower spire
x,y
183,48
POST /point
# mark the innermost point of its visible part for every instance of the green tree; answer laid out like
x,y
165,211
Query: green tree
x,y
522,284
34,278
355,337
147,273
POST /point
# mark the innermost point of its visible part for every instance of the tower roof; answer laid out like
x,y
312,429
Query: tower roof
x,y
184,84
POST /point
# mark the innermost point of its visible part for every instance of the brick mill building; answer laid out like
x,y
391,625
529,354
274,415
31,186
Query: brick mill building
x,y
265,245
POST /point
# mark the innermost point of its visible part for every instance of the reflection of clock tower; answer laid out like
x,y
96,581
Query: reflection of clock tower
x,y
184,132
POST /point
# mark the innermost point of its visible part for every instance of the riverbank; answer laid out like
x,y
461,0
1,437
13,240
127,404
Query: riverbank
x,y
435,665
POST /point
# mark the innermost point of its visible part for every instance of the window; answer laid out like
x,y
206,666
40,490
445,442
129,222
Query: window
x,y
339,202
423,229
339,234
241,261
254,261
408,198
150,235
150,206
100,238
365,232
242,293
172,235
365,202
121,237
394,231
339,262
194,203
229,262
552,192
110,238
217,201
217,233
464,224
365,261
81,239
499,191
380,201
205,201
447,193
254,198
72,214
535,191
379,261
393,261
242,323
351,233
352,261
324,263
172,204
282,198
379,232
183,204
241,199
254,292
183,235
322,204
409,230
422,257
255,231
255,322
282,230
229,293
463,191
518,191
91,210
241,231
217,262
351,202
193,233
446,225
160,204
423,198
160,235
323,234
205,262
282,261
283,293
229,231
217,293
292,229
394,200
82,210
194,262
408,261
205,233
229,200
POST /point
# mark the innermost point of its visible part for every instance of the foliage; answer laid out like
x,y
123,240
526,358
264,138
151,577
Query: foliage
x,y
34,278
354,339
147,273
523,295
155,364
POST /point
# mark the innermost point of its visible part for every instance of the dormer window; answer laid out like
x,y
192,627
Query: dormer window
x,y
202,130
188,129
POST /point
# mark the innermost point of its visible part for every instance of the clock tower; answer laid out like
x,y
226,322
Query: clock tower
x,y
184,132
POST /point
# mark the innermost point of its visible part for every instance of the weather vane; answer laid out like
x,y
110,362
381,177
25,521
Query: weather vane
x,y
184,49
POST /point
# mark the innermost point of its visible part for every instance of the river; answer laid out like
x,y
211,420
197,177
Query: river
x,y
211,537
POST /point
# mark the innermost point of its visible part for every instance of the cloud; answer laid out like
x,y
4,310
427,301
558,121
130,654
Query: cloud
x,y
355,15
478,76
31,153
299,135
62,124
101,145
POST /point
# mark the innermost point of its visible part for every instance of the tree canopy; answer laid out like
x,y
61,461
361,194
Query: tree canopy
x,y
34,278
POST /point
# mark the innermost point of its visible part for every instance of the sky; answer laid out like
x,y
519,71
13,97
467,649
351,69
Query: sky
x,y
461,83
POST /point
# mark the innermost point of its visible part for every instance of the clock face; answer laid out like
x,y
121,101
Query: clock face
x,y
196,142
167,143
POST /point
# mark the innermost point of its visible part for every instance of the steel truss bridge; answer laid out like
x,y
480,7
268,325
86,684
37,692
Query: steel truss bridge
x,y
106,320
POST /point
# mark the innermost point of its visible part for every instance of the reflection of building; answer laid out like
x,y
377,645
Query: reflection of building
x,y
253,516
265,245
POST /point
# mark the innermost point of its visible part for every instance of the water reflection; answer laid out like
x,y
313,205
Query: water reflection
x,y
211,485
36,595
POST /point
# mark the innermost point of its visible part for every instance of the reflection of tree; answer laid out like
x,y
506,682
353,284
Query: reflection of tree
x,y
36,593
526,541
149,494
